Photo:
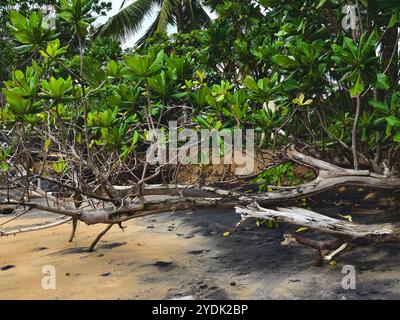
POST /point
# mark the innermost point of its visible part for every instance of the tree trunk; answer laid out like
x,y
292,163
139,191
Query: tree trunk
x,y
354,132
179,16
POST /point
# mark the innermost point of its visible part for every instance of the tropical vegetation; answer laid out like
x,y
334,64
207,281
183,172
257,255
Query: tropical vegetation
x,y
291,70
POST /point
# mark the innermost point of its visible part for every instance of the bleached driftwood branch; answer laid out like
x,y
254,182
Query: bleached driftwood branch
x,y
347,235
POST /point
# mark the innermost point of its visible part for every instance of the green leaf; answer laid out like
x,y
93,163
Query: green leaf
x,y
251,84
321,3
379,106
18,20
349,44
203,122
357,89
47,144
347,217
4,166
396,138
135,138
392,120
394,19
284,61
60,166
383,82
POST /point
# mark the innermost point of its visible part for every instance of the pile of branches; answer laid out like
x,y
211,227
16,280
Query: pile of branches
x,y
112,205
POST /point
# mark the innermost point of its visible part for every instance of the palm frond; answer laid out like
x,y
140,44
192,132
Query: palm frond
x,y
149,32
195,17
166,14
128,20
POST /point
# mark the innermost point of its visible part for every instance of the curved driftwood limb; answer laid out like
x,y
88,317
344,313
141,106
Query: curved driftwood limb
x,y
329,177
190,197
174,190
5,232
319,245
16,216
34,205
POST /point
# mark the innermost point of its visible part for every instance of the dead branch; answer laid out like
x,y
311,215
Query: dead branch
x,y
35,228
100,235
348,235
136,204
318,222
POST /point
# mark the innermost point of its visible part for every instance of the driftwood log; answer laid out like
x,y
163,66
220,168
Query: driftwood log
x,y
136,203
346,235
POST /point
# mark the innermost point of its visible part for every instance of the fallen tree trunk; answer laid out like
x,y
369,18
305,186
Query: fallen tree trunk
x,y
329,177
136,204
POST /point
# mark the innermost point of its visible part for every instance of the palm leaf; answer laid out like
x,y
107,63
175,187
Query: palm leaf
x,y
149,32
128,20
165,16
194,15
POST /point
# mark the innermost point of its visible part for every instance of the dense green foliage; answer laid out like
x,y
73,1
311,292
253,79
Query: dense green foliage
x,y
11,59
291,68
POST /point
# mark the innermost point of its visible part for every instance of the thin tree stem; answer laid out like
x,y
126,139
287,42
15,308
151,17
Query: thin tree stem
x,y
354,133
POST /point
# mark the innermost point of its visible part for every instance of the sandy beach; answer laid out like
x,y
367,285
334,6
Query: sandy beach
x,y
175,255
